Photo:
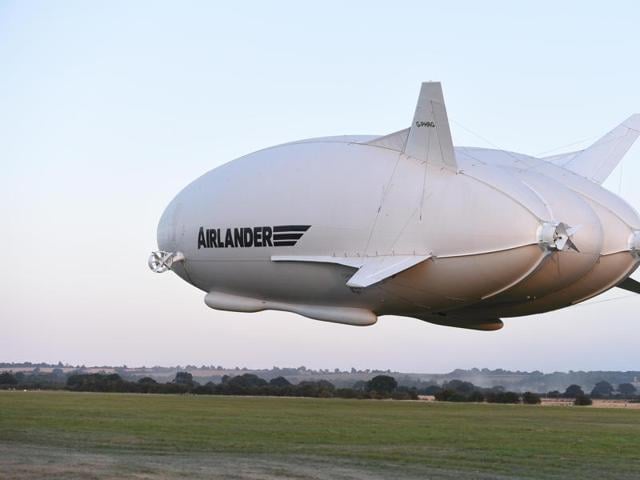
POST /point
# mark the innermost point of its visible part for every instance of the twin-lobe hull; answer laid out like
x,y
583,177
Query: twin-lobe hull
x,y
339,199
346,229
575,274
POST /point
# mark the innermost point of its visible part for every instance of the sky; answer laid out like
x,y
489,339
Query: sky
x,y
108,109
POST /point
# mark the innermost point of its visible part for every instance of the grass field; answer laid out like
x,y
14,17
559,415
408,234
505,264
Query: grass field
x,y
84,435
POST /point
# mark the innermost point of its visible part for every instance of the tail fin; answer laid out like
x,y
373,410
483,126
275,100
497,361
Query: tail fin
x,y
429,137
598,161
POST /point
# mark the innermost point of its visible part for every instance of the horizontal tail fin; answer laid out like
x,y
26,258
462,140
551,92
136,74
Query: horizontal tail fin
x,y
371,270
598,161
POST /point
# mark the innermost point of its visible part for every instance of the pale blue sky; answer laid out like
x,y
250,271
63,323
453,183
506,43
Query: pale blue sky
x,y
107,109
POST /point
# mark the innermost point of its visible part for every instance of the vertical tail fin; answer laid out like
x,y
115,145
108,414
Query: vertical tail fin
x,y
429,136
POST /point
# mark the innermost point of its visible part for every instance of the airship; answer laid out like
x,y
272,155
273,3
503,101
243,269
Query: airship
x,y
347,229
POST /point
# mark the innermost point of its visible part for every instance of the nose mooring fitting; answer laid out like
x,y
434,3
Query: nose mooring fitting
x,y
556,236
161,261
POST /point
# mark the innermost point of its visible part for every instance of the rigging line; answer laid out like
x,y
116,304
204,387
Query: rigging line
x,y
590,138
517,159
404,227
527,161
577,142
577,154
474,133
537,162
385,192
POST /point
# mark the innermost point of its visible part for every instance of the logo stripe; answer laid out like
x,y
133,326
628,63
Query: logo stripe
x,y
285,243
291,228
287,236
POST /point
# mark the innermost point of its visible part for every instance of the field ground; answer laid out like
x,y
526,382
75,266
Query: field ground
x,y
58,435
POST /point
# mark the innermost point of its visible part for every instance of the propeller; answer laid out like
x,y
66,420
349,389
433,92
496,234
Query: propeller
x,y
557,236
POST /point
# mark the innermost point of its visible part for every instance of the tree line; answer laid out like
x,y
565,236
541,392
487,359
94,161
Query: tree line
x,y
462,391
518,381
378,387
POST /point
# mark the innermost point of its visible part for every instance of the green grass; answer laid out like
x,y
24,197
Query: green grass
x,y
510,440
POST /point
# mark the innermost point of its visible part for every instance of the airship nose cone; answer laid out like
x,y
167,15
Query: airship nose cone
x,y
170,255
168,238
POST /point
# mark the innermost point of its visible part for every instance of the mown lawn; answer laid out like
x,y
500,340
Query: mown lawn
x,y
510,440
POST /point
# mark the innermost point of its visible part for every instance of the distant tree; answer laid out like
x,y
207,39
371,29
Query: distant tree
x,y
627,389
502,397
554,394
7,378
360,385
183,378
382,384
147,381
602,389
321,388
460,386
98,382
148,385
431,389
404,393
279,382
245,384
476,396
582,400
446,395
247,380
531,398
348,393
573,391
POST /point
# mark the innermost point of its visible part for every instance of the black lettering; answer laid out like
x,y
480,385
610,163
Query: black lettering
x,y
229,238
257,236
248,237
237,237
266,237
242,237
214,239
220,241
201,241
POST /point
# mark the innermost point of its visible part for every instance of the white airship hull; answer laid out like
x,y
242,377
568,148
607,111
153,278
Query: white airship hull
x,y
346,229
